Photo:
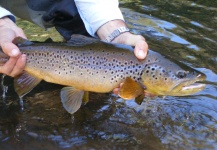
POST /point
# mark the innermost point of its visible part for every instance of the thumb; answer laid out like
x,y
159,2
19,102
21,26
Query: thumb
x,y
10,49
141,49
138,41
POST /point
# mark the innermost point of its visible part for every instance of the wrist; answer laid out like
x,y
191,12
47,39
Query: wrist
x,y
5,20
108,28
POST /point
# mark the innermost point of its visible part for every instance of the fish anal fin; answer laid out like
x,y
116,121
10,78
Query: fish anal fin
x,y
24,83
21,41
71,99
130,89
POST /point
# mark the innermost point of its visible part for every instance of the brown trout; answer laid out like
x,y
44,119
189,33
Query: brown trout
x,y
86,64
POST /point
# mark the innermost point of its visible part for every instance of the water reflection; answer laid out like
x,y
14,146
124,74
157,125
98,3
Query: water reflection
x,y
184,30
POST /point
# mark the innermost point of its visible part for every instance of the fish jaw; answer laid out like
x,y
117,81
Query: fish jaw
x,y
189,87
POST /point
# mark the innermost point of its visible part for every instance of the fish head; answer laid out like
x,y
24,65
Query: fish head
x,y
169,78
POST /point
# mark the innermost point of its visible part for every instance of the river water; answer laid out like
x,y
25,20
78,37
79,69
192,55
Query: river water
x,y
184,30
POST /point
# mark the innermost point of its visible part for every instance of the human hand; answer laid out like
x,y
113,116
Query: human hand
x,y
16,63
138,41
141,47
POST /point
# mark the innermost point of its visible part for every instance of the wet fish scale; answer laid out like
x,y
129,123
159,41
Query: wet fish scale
x,y
86,64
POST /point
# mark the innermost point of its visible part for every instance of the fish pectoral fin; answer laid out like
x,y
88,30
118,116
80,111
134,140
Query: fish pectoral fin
x,y
71,98
81,40
21,41
130,89
24,83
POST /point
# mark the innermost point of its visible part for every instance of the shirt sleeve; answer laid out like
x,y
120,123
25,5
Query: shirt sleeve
x,y
4,12
95,13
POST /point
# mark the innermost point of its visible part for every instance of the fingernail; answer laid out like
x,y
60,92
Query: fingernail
x,y
141,54
23,57
14,52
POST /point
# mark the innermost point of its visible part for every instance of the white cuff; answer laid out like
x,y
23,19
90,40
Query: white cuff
x,y
4,13
95,13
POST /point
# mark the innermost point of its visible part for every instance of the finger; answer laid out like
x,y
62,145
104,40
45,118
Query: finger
x,y
8,66
10,49
20,65
141,49
116,91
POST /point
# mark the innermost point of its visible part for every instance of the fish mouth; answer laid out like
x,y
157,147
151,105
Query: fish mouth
x,y
189,87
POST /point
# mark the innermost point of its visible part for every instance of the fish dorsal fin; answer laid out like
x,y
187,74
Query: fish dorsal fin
x,y
130,89
24,83
49,40
71,98
81,40
21,41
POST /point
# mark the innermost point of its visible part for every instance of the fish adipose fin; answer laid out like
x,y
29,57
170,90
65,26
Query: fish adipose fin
x,y
24,83
81,40
72,98
131,89
21,41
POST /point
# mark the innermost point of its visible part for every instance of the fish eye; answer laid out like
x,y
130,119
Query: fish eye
x,y
181,74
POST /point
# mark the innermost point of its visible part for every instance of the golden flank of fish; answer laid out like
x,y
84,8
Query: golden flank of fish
x,y
86,64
